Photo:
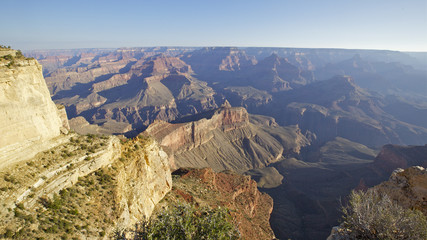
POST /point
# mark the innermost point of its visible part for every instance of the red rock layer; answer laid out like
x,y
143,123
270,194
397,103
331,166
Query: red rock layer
x,y
249,207
192,134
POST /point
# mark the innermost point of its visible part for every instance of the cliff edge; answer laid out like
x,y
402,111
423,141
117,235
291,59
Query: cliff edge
x,y
28,116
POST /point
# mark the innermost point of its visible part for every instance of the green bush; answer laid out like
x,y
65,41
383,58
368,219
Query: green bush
x,y
373,215
55,203
8,57
19,54
186,222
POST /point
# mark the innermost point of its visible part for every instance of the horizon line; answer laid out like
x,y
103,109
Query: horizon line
x,y
225,46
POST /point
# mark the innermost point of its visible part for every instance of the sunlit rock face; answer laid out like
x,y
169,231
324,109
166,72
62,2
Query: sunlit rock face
x,y
28,116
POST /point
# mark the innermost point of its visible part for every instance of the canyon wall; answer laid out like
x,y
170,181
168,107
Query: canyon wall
x,y
226,139
43,170
28,116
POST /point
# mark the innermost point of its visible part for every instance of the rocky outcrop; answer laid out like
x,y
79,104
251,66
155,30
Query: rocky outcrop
x,y
407,187
99,183
225,139
210,60
27,114
249,207
277,74
186,136
142,182
395,156
67,175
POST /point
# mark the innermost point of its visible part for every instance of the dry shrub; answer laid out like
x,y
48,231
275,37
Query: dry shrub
x,y
373,215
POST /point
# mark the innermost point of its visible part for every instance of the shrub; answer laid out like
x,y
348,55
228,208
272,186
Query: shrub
x,y
186,222
9,233
373,215
8,57
54,203
19,54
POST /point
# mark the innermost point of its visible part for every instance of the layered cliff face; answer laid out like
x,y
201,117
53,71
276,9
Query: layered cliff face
x,y
85,187
69,185
210,60
203,187
225,139
28,116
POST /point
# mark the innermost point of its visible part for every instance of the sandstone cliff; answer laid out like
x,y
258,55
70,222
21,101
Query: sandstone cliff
x,y
249,207
27,114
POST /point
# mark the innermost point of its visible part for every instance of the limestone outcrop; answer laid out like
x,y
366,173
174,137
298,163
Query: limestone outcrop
x,y
190,135
28,116
142,182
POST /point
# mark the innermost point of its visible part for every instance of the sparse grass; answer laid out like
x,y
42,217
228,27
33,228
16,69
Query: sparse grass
x,y
71,211
65,213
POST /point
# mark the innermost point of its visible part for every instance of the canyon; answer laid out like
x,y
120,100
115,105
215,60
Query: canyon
x,y
44,166
27,108
146,124
55,183
227,139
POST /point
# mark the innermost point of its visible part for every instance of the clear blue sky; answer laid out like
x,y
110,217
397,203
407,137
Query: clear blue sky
x,y
363,24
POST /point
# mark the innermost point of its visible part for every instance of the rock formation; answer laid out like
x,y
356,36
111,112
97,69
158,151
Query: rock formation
x,y
395,156
277,74
129,179
43,171
203,187
215,59
28,116
142,182
130,87
407,187
225,139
